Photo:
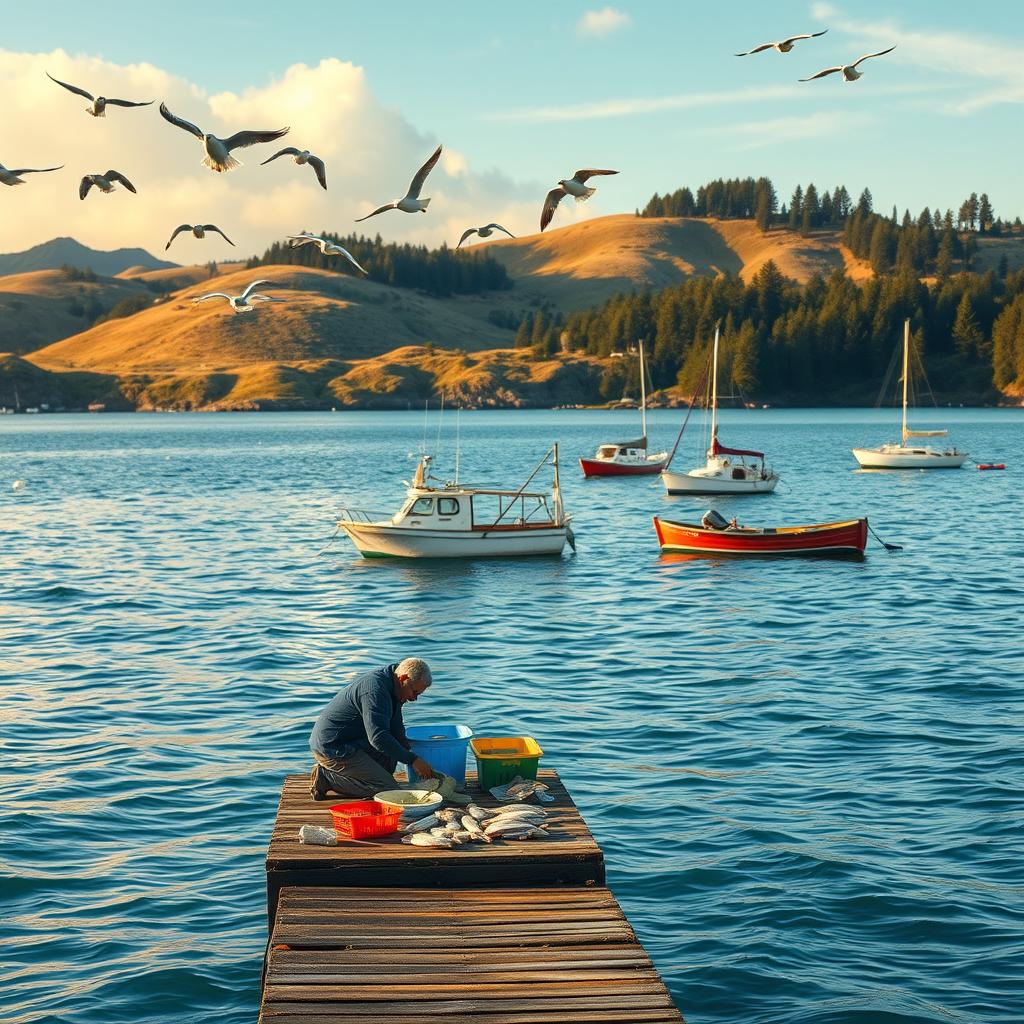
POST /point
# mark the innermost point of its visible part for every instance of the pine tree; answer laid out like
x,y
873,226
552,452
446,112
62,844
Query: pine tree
x,y
966,332
985,214
796,208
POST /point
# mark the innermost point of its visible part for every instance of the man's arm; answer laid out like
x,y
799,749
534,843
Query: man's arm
x,y
377,722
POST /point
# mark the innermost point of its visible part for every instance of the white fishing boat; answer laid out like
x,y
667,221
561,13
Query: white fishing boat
x,y
627,458
727,470
454,520
907,455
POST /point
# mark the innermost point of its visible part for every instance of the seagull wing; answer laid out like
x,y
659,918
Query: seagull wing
x,y
806,35
179,121
213,227
35,170
581,176
255,284
881,53
554,197
380,209
822,74
756,49
352,260
213,295
177,231
118,176
129,103
287,151
500,228
321,172
71,88
297,240
242,139
465,235
83,187
421,175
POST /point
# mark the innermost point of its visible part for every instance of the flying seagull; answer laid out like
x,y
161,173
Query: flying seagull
x,y
303,156
104,182
784,45
483,232
99,103
240,303
13,177
411,202
199,230
218,151
326,247
850,72
576,186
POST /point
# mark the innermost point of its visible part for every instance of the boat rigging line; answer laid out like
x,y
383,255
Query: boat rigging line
x,y
888,547
693,402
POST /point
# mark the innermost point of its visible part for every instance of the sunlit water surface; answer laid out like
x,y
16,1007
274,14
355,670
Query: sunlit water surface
x,y
805,775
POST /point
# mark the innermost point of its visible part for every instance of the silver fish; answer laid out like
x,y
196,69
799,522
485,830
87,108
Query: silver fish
x,y
480,813
448,814
472,826
464,837
426,839
533,833
420,825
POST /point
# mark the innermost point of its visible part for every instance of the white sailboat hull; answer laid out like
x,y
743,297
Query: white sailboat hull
x,y
382,540
895,456
700,481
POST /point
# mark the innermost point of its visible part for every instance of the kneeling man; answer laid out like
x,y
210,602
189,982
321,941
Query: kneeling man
x,y
359,737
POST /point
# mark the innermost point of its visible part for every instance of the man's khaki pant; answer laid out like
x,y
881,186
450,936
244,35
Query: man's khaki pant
x,y
357,775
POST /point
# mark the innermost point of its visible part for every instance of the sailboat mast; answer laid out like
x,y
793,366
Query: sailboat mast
x,y
643,392
906,366
714,390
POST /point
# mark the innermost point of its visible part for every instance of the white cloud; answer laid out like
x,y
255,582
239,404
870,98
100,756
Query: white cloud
x,y
946,53
603,22
647,104
371,153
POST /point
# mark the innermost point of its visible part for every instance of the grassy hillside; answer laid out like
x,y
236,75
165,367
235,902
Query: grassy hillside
x,y
44,306
66,252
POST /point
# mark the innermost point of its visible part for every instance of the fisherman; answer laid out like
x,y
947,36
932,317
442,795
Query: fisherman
x,y
359,737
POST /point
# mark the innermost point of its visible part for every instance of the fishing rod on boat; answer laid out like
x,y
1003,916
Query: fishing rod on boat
x,y
888,547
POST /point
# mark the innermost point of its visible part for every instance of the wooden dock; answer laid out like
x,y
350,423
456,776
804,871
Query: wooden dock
x,y
377,932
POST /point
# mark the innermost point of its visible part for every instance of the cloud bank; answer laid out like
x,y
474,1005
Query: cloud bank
x,y
371,153
602,22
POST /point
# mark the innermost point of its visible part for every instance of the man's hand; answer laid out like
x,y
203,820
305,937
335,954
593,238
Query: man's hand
x,y
422,769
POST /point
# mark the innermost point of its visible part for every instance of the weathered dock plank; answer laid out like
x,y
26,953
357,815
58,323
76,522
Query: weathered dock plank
x,y
570,856
507,955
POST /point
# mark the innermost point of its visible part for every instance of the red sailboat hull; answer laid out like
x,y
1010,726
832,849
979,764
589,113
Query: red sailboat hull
x,y
601,467
845,538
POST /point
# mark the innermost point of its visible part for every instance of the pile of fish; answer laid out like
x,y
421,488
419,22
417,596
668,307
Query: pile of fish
x,y
520,789
451,826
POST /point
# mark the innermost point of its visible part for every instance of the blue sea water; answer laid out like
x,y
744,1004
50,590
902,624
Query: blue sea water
x,y
806,775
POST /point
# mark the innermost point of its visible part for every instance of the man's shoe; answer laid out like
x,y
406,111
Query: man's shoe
x,y
317,784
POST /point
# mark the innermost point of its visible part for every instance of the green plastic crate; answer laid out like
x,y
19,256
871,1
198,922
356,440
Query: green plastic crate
x,y
499,759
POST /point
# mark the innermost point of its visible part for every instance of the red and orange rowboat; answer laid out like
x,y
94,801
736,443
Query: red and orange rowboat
x,y
846,538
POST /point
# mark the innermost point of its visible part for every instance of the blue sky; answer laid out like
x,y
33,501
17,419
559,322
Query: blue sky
x,y
652,88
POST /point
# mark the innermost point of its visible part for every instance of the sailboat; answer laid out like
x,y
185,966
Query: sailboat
x,y
727,470
904,455
627,458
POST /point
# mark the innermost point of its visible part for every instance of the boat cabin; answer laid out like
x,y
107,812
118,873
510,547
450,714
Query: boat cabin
x,y
471,509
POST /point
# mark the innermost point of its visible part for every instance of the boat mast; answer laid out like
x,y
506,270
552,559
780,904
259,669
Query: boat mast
x,y
714,390
643,392
906,364
556,490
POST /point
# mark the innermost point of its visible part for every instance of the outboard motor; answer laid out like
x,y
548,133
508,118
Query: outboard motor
x,y
713,520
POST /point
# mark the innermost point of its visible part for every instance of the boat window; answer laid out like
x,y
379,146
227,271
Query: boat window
x,y
422,507
622,451
738,474
447,507
607,452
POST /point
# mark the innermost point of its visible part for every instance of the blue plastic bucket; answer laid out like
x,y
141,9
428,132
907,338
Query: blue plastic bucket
x,y
443,747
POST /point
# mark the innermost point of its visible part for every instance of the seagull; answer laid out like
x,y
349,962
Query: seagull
x,y
483,232
326,247
850,72
303,156
99,103
576,186
784,45
199,230
104,182
13,177
218,151
411,202
240,303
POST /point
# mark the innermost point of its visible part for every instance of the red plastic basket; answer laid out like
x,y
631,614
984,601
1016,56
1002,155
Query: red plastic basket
x,y
364,819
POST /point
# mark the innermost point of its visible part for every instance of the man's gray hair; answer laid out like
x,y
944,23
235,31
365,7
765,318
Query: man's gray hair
x,y
416,669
